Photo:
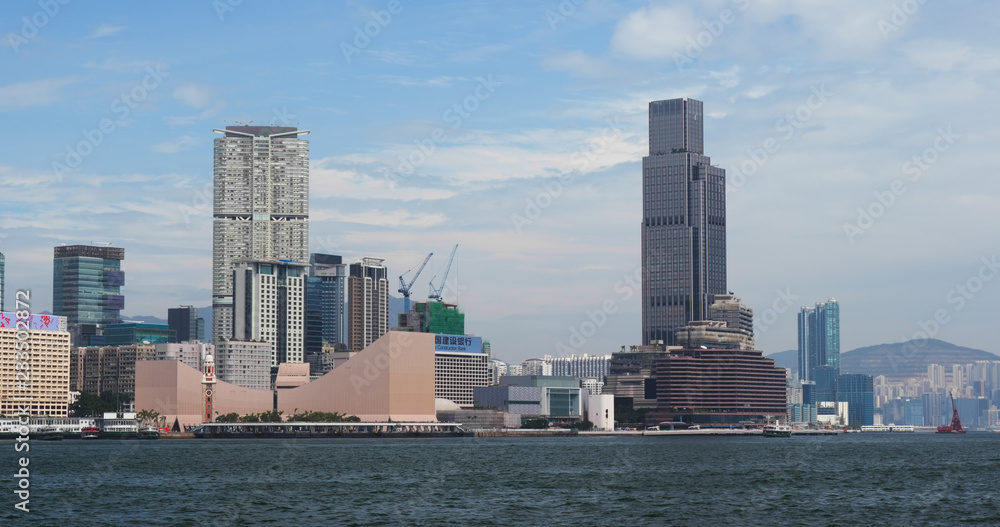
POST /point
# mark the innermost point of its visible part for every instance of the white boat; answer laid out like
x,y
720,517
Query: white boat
x,y
777,430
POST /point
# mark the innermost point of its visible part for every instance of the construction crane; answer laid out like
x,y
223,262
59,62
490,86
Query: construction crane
x,y
405,287
436,292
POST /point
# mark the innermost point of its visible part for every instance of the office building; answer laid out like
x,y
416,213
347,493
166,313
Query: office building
x,y
683,222
368,302
712,334
269,306
137,333
819,339
457,374
730,309
186,324
46,390
86,288
718,386
858,391
551,397
326,288
246,364
632,376
261,206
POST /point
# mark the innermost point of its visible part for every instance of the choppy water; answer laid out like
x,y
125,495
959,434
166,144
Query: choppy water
x,y
904,479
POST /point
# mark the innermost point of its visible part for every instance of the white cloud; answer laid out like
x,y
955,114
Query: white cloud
x,y
33,93
655,32
395,218
760,91
176,145
106,30
580,64
193,95
443,81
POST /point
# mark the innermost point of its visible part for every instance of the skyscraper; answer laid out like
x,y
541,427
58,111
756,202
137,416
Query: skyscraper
x,y
326,292
368,302
3,288
819,339
261,206
269,306
185,322
683,222
86,287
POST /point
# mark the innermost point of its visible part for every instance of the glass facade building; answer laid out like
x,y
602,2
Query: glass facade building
x,y
683,222
86,284
819,339
326,288
858,391
132,333
186,324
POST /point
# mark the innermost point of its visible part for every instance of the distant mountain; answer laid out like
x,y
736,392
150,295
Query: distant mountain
x,y
786,359
896,360
908,359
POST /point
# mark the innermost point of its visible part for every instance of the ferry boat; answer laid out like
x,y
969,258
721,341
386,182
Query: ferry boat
x,y
149,432
777,430
90,432
48,434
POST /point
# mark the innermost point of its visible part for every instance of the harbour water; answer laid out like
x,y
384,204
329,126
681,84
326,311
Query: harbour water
x,y
853,479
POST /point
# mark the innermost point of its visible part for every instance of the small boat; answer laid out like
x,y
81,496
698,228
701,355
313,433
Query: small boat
x,y
48,434
149,432
90,432
777,430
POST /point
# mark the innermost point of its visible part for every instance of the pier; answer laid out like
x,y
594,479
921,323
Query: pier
x,y
318,430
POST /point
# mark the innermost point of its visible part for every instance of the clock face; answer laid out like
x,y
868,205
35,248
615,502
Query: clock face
x,y
208,392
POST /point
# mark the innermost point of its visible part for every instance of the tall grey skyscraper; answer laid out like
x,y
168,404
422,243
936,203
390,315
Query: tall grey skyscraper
x,y
683,222
819,339
261,206
3,290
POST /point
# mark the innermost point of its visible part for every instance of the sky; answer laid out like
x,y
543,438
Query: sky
x,y
857,136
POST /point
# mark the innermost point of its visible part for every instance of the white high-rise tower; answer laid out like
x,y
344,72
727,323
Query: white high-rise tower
x,y
261,206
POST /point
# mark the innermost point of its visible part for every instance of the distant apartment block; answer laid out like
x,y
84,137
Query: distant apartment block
x,y
368,302
246,364
261,206
581,366
109,369
819,340
191,353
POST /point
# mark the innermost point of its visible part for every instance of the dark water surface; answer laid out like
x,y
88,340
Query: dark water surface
x,y
855,479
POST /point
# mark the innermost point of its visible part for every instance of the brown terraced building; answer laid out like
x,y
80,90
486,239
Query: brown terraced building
x,y
723,386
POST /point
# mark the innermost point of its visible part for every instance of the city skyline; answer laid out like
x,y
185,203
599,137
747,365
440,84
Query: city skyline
x,y
525,147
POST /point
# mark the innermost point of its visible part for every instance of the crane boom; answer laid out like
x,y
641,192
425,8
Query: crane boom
x,y
405,287
436,292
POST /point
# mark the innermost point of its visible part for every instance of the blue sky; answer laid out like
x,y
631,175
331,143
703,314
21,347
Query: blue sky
x,y
516,129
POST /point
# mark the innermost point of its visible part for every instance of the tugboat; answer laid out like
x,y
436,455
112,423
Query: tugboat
x,y
956,423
